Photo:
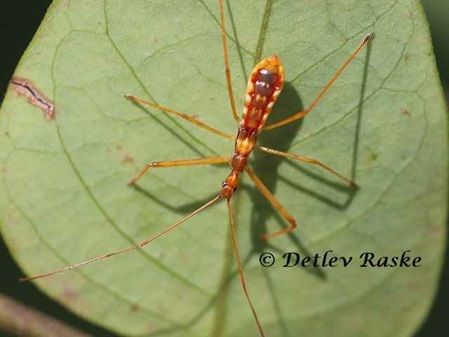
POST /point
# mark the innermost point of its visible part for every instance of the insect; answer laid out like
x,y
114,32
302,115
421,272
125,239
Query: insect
x,y
264,86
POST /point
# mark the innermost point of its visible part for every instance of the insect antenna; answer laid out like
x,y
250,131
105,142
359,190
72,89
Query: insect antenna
x,y
124,250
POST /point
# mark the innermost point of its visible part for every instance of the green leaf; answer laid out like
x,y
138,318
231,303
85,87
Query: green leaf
x,y
64,195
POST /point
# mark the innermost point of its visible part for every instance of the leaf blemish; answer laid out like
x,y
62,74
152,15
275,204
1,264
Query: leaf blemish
x,y
134,308
126,158
69,293
34,96
406,58
404,112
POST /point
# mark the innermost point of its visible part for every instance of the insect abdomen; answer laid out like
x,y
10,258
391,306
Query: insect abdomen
x,y
264,86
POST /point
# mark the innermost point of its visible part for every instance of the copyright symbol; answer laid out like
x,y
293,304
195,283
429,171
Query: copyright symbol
x,y
266,259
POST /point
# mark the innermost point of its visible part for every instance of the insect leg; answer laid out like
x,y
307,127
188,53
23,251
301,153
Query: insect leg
x,y
329,84
226,61
184,162
274,202
184,116
126,250
308,161
240,266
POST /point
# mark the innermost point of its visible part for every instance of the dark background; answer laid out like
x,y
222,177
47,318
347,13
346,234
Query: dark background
x,y
18,23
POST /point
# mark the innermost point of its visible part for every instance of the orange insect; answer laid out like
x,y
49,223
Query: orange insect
x,y
264,86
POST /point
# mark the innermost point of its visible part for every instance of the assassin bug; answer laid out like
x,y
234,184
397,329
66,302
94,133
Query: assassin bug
x,y
264,86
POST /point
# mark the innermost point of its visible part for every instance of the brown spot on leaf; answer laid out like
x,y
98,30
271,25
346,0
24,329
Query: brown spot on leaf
x,y
26,88
134,308
127,159
406,57
436,229
404,112
69,293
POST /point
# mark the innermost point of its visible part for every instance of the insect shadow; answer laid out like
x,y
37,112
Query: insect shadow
x,y
289,102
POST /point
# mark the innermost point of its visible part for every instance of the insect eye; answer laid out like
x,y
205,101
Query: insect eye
x,y
224,184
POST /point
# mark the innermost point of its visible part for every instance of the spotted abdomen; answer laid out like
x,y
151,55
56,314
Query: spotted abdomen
x,y
264,85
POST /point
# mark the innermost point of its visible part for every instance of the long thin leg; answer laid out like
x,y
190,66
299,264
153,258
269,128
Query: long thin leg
x,y
125,250
226,61
301,114
184,116
308,161
274,202
240,266
184,162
